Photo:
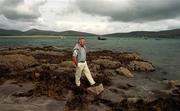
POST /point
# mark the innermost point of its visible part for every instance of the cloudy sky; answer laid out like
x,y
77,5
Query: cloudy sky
x,y
96,16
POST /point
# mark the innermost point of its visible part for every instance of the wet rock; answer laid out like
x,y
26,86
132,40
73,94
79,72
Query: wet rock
x,y
56,106
16,61
98,107
111,96
174,83
124,86
130,56
141,66
173,89
8,90
34,104
124,71
106,63
96,90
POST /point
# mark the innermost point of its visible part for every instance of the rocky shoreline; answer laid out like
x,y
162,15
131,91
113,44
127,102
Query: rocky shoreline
x,y
42,79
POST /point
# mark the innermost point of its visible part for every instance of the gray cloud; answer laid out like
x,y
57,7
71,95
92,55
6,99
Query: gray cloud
x,y
18,24
96,16
131,10
21,9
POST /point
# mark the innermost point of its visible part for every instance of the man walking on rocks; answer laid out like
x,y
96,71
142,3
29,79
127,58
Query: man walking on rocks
x,y
79,59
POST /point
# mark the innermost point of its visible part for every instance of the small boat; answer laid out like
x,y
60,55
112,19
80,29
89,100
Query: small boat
x,y
100,38
157,39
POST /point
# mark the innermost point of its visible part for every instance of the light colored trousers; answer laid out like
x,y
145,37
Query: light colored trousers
x,y
83,68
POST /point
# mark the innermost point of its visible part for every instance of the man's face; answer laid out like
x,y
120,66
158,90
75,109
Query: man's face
x,y
82,42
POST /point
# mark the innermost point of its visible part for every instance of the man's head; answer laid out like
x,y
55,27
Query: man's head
x,y
82,41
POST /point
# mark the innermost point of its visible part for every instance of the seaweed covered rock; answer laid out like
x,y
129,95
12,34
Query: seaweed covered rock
x,y
106,63
16,62
141,66
130,56
124,71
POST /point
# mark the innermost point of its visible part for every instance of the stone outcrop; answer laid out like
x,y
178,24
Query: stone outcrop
x,y
141,66
124,71
130,56
106,63
16,61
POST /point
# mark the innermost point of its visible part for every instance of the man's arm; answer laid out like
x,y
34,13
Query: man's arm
x,y
75,61
74,58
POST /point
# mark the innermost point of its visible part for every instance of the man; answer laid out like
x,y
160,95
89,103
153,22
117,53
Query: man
x,y
79,59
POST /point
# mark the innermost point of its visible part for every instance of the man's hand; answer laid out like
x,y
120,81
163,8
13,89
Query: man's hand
x,y
75,61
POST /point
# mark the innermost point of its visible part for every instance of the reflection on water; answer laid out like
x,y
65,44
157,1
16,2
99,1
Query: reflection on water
x,y
164,52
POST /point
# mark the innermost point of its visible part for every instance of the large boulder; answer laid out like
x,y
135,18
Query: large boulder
x,y
141,66
130,56
16,61
124,71
106,63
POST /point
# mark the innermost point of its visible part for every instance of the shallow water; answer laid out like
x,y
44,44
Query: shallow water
x,y
164,53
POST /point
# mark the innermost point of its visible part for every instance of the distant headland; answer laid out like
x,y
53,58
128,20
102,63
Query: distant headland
x,y
165,33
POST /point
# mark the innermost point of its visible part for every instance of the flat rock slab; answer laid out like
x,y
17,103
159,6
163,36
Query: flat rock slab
x,y
35,104
9,88
96,90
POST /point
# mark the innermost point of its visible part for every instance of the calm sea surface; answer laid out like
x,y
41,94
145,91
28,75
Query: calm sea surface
x,y
164,53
